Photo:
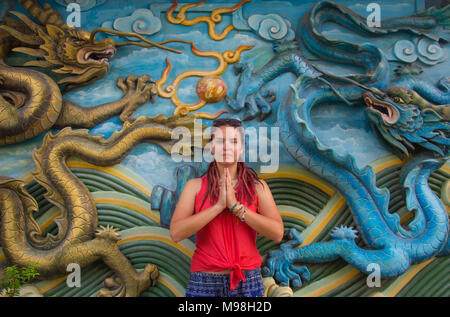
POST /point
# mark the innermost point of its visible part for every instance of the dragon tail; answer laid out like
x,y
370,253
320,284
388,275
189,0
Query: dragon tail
x,y
365,55
16,207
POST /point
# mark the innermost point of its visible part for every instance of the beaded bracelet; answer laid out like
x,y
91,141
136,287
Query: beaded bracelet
x,y
237,204
238,210
243,215
238,213
231,209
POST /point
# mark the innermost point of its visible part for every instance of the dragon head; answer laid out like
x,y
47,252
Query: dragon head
x,y
409,122
63,48
72,51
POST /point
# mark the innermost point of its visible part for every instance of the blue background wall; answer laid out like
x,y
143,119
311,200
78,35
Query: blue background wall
x,y
344,129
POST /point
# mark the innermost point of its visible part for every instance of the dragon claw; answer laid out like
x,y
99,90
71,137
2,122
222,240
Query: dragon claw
x,y
136,92
250,114
111,287
114,287
108,232
255,105
280,263
153,272
250,95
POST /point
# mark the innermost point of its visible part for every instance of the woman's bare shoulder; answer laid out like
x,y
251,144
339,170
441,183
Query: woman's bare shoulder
x,y
194,184
260,187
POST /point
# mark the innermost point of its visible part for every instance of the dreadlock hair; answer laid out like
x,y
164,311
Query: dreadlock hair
x,y
247,176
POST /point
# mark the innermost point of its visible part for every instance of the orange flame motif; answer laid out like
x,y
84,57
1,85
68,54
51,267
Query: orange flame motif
x,y
225,58
212,20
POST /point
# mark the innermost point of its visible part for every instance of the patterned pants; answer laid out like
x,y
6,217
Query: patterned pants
x,y
203,284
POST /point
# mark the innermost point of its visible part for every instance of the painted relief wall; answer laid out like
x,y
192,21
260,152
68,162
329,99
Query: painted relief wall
x,y
104,105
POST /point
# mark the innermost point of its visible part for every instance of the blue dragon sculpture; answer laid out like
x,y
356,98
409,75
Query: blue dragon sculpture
x,y
410,114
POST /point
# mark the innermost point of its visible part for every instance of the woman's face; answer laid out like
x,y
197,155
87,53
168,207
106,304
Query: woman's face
x,y
226,145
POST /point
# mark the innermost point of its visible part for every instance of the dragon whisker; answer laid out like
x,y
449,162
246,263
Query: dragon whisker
x,y
149,43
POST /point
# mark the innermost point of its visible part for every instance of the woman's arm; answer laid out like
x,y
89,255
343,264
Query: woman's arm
x,y
184,222
268,221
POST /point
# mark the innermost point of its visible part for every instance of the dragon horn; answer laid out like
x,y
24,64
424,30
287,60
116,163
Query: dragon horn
x,y
30,23
46,15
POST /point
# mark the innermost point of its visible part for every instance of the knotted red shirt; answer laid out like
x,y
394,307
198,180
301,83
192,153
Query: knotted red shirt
x,y
225,242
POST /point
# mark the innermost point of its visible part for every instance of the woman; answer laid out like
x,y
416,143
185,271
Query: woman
x,y
226,261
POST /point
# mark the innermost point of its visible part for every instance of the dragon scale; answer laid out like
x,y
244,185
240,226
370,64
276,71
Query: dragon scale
x,y
77,240
411,115
398,251
31,102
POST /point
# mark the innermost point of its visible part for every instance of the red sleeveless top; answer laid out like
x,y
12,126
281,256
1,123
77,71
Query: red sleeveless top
x,y
225,242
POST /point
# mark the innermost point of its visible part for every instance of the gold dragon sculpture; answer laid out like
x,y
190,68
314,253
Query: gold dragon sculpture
x,y
78,240
31,102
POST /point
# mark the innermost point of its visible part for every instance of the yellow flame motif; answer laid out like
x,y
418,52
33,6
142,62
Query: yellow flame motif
x,y
212,20
225,58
